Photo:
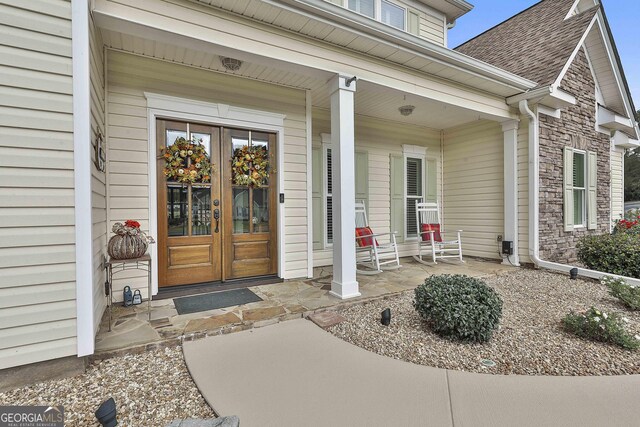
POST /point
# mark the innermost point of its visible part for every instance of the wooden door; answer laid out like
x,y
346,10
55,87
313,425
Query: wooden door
x,y
249,214
189,236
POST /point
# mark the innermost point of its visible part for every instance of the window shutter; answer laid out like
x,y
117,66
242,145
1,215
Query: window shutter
x,y
316,193
568,189
329,200
432,181
362,178
413,23
592,189
397,196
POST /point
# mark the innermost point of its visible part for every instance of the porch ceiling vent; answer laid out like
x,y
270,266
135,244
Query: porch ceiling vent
x,y
406,110
230,64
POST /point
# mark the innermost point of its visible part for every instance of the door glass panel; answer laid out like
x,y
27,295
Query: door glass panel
x,y
239,139
200,210
204,139
240,210
177,214
260,210
260,140
172,135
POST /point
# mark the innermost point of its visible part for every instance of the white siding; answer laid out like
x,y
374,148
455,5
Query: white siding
x,y
130,76
380,139
98,178
432,28
474,186
617,183
37,253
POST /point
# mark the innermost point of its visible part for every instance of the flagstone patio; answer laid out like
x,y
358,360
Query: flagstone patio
x,y
291,299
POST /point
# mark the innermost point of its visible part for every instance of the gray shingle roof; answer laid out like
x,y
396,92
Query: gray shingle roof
x,y
535,44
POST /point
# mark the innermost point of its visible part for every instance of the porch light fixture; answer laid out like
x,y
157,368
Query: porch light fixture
x,y
230,64
406,110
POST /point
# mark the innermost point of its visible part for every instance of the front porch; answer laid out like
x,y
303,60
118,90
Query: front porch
x,y
288,300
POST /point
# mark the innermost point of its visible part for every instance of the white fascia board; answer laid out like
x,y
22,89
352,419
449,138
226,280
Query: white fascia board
x,y
550,96
611,120
340,17
616,70
551,112
620,139
573,55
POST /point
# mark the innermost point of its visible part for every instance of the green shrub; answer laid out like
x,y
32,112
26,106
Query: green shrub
x,y
459,307
597,325
618,288
617,254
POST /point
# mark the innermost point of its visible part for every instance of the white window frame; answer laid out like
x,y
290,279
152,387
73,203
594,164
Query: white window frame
x,y
583,223
377,12
420,153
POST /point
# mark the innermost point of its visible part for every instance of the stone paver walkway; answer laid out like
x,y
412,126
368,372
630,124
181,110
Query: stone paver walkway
x,y
287,300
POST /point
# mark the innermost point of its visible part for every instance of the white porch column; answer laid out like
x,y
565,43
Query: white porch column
x,y
344,284
510,130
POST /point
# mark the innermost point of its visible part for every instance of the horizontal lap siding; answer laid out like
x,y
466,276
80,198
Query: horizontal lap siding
x,y
98,178
617,183
37,235
432,28
379,139
130,76
474,186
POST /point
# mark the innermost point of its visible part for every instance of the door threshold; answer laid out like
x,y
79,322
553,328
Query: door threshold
x,y
208,287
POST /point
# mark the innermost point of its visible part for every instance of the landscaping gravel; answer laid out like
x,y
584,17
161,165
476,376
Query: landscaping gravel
x,y
150,389
530,340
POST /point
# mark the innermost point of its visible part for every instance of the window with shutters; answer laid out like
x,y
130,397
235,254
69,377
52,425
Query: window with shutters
x,y
579,189
414,193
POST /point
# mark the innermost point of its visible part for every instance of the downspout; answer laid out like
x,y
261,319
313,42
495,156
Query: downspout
x,y
534,205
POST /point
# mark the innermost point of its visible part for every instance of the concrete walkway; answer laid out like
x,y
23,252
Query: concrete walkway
x,y
295,374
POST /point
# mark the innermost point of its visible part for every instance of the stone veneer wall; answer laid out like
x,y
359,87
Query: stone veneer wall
x,y
575,128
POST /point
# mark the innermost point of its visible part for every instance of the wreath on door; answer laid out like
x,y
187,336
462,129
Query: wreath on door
x,y
187,161
250,166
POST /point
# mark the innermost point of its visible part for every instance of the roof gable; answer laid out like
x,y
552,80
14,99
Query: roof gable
x,y
536,43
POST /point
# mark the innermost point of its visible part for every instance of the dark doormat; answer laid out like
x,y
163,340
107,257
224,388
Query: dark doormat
x,y
204,302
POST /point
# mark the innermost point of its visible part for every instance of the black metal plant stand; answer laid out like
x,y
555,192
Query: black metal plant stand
x,y
114,266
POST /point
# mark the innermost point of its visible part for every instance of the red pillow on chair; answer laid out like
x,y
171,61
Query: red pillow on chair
x,y
365,241
426,237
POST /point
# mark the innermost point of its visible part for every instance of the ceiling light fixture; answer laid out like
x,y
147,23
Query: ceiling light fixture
x,y
230,64
406,110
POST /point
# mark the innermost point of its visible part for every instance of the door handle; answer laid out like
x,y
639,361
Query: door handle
x,y
216,216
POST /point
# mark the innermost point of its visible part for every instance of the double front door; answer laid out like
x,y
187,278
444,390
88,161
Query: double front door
x,y
213,226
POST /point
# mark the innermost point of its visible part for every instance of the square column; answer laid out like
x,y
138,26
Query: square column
x,y
344,284
510,131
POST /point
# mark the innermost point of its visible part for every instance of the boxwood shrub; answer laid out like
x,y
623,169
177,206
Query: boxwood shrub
x,y
611,253
459,307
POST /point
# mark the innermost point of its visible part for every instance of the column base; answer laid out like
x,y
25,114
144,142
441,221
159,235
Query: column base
x,y
344,290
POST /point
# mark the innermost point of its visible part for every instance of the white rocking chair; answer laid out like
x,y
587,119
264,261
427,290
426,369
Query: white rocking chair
x,y
370,254
430,236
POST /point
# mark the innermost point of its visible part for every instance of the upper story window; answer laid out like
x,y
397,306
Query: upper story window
x,y
364,7
393,15
386,12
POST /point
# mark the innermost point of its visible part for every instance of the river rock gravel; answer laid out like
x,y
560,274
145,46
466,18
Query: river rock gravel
x,y
530,340
150,389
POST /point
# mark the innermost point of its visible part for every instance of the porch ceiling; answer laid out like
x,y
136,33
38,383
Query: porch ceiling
x,y
372,100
